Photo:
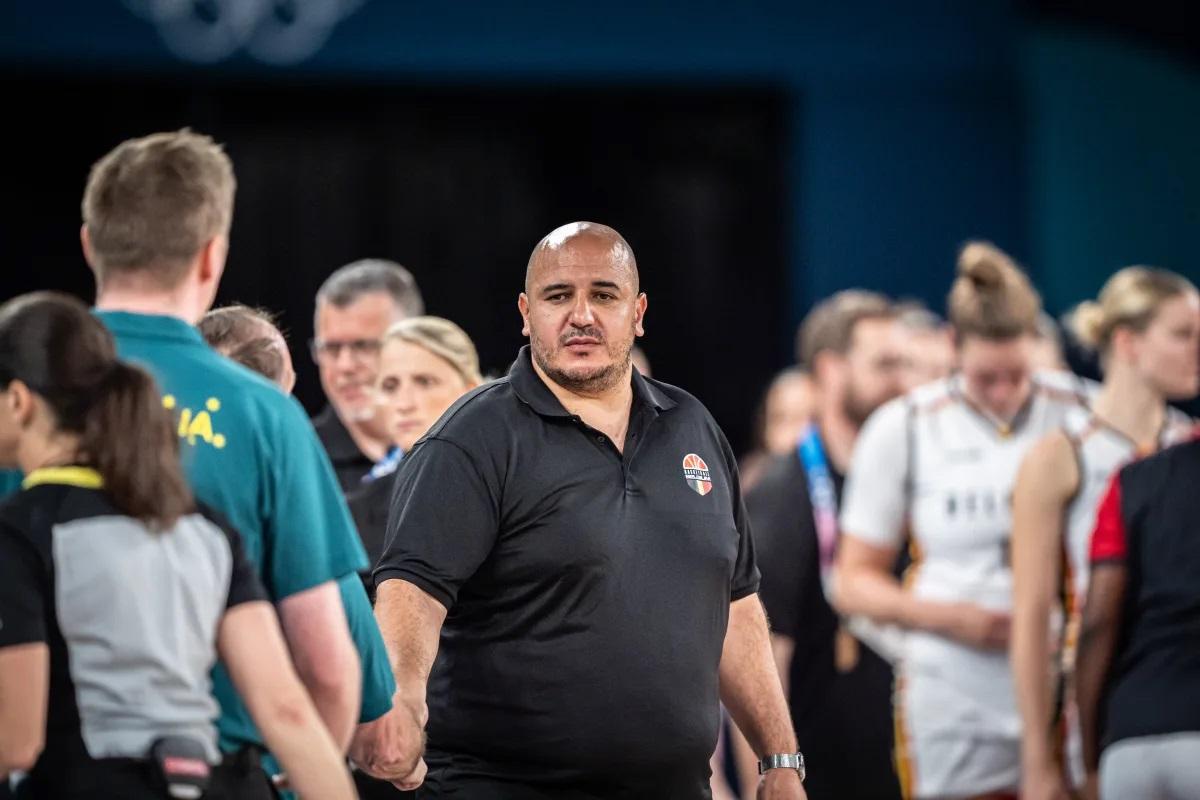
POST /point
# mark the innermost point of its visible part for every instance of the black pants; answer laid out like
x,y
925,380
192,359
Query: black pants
x,y
458,777
103,779
846,737
371,789
240,776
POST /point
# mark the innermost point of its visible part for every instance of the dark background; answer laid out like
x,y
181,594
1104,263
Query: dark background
x,y
463,183
758,156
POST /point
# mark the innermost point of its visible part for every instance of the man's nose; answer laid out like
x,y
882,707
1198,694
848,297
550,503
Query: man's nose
x,y
581,313
344,358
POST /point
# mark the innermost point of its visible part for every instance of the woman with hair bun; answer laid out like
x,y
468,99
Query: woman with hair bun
x,y
117,593
1146,328
939,463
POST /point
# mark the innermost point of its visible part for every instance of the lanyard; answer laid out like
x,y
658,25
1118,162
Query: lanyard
x,y
822,496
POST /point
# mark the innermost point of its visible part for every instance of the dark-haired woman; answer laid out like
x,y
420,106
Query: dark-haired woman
x,y
117,593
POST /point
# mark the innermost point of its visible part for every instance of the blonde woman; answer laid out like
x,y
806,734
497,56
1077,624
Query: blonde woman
x,y
940,463
1146,327
425,365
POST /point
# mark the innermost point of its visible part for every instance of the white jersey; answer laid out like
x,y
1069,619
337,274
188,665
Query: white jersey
x,y
934,463
1100,450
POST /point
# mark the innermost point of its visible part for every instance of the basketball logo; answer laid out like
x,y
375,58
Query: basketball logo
x,y
696,473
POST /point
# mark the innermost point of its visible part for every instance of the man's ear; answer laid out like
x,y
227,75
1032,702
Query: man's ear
x,y
523,307
85,240
639,318
827,367
212,259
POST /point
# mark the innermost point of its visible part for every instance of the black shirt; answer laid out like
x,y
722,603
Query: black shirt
x,y
349,463
130,618
1150,523
368,501
843,720
588,592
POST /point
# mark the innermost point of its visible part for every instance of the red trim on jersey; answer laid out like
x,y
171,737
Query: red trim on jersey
x,y
1108,539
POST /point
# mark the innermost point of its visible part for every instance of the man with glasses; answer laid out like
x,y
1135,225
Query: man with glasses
x,y
355,306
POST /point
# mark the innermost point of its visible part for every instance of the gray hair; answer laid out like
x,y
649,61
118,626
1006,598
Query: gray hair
x,y
368,276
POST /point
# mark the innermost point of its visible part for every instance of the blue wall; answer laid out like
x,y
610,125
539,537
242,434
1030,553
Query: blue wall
x,y
914,125
901,112
1114,160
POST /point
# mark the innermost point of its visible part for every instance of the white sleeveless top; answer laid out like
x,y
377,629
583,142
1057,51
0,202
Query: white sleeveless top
x,y
1100,450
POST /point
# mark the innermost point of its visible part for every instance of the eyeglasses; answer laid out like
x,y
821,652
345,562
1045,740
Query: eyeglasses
x,y
360,349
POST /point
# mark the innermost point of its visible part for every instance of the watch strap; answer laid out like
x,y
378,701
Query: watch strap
x,y
782,761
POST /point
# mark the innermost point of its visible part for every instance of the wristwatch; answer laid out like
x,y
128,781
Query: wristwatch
x,y
783,761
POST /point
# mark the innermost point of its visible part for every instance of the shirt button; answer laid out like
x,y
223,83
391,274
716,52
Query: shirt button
x,y
600,438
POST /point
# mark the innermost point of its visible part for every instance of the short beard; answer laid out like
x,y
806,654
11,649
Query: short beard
x,y
856,409
590,381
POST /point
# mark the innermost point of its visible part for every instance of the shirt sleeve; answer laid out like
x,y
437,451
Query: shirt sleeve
x,y
444,520
875,501
746,577
1108,537
23,591
244,584
310,538
378,684
10,482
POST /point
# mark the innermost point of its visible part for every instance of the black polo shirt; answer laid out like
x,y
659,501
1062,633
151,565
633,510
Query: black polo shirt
x,y
588,592
349,463
1149,522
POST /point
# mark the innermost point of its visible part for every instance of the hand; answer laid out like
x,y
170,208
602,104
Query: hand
x,y
390,747
977,626
1044,783
781,784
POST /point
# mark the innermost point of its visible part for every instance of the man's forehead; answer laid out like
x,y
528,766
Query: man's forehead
x,y
879,331
369,314
577,271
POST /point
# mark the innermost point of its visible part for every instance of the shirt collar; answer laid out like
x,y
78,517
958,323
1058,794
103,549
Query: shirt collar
x,y
82,477
149,326
534,392
339,444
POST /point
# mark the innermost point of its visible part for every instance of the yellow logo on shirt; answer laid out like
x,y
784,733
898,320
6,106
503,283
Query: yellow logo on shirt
x,y
194,424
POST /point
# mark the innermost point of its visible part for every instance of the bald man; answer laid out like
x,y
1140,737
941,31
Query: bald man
x,y
568,585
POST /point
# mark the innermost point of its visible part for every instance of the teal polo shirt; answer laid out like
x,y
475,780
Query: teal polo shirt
x,y
250,452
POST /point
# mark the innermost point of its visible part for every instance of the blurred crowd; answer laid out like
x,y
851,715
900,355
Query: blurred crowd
x,y
980,570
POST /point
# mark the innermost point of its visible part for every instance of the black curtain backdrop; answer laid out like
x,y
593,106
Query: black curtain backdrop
x,y
457,185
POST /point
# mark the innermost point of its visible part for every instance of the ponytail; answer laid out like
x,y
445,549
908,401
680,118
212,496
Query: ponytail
x,y
129,438
1130,299
991,298
53,344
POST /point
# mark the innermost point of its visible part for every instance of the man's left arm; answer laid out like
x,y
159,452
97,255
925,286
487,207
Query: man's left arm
x,y
753,694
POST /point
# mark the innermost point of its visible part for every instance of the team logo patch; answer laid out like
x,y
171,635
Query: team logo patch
x,y
696,473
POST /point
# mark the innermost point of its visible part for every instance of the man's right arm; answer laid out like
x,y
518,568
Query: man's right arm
x,y
314,623
444,522
411,622
309,543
